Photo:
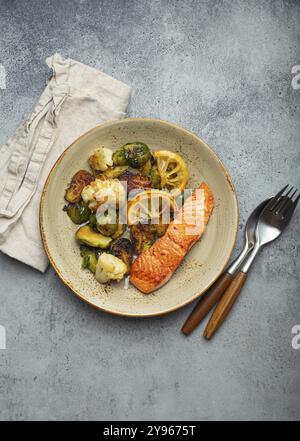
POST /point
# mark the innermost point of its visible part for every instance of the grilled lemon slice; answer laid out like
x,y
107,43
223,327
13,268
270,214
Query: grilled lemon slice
x,y
151,206
172,170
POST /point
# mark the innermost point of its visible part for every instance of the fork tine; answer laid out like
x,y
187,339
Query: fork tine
x,y
274,200
294,194
284,208
282,202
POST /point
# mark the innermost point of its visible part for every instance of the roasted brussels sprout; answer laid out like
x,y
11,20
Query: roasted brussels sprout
x,y
142,236
89,258
87,236
105,228
135,181
119,157
78,213
137,154
119,231
108,229
78,182
155,178
123,249
115,172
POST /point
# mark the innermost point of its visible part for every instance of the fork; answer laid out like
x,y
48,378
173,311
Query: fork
x,y
272,221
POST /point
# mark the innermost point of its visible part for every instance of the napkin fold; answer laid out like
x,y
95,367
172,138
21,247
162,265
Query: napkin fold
x,y
76,99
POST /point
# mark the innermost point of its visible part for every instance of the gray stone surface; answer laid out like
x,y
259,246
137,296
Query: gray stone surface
x,y
223,70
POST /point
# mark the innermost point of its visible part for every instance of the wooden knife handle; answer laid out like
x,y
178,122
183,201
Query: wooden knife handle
x,y
207,302
225,304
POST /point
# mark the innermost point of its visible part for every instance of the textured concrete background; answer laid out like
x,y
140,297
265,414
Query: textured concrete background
x,y
223,70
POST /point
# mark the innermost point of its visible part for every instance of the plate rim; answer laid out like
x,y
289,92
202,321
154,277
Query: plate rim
x,y
43,234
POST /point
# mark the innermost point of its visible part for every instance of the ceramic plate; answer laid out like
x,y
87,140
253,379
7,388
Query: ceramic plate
x,y
204,262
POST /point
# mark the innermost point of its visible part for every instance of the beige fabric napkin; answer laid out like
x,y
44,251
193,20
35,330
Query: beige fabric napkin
x,y
76,99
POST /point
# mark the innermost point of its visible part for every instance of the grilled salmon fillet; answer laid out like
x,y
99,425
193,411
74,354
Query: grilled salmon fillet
x,y
154,267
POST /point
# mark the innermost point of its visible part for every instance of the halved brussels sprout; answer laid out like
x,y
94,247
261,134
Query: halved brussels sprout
x,y
105,225
123,249
89,258
119,157
87,236
142,236
135,154
78,182
119,231
107,229
78,213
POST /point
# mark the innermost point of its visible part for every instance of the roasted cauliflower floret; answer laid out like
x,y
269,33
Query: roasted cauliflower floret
x,y
110,267
101,159
109,191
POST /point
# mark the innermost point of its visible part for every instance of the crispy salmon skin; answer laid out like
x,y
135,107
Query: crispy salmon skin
x,y
154,267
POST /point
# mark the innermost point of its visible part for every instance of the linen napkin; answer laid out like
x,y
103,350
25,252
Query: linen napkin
x,y
76,99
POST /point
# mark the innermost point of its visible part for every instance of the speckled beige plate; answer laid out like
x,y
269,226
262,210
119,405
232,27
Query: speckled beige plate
x,y
204,262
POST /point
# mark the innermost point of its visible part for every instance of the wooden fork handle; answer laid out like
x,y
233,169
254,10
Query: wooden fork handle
x,y
206,303
225,304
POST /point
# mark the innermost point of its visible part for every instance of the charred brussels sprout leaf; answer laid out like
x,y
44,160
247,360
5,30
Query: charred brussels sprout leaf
x,y
155,178
115,172
89,258
146,168
93,221
78,213
123,249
